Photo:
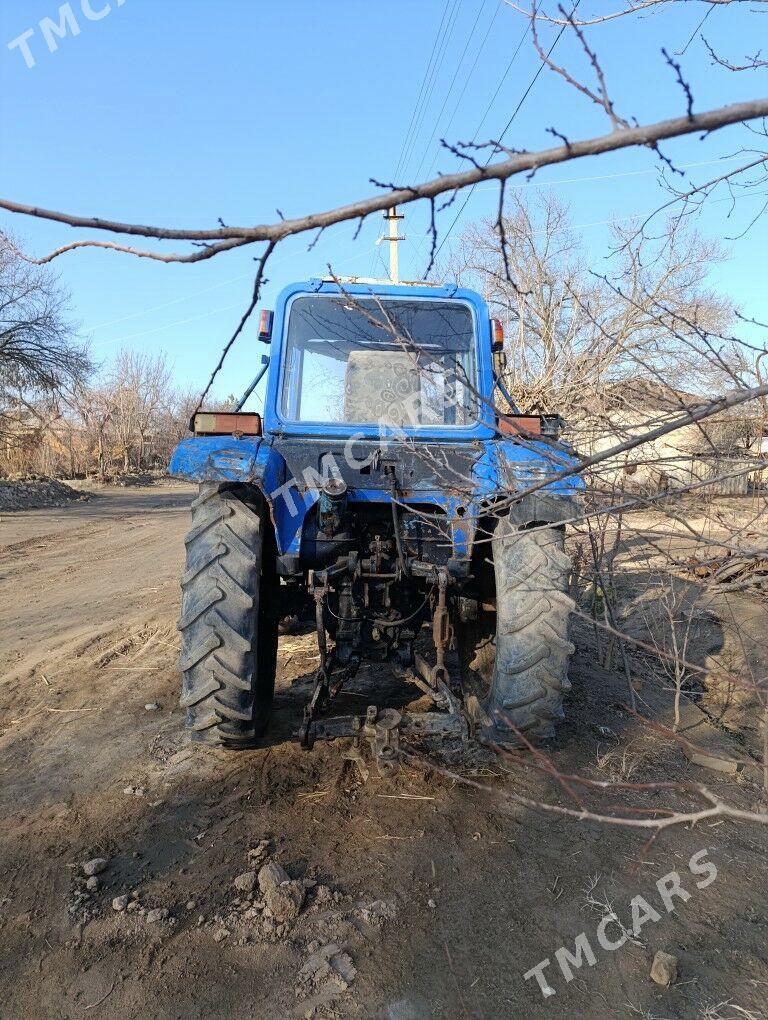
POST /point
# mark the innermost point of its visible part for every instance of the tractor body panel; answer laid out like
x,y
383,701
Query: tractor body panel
x,y
471,478
455,470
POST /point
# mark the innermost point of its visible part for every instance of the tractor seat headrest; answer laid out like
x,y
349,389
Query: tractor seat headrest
x,y
382,386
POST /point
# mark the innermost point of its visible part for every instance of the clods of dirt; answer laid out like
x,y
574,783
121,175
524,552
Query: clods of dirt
x,y
283,898
329,970
664,969
95,866
33,492
246,882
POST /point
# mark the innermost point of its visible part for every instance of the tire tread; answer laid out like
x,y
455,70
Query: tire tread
x,y
224,692
521,670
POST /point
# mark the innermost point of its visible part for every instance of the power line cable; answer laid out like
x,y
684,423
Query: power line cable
x,y
450,88
495,94
515,112
434,77
226,308
504,77
468,79
696,30
609,177
417,106
421,90
477,131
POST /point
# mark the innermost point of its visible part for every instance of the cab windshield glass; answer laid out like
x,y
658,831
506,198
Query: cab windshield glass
x,y
392,362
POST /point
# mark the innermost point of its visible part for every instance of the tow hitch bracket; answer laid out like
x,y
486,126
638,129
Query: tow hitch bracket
x,y
382,729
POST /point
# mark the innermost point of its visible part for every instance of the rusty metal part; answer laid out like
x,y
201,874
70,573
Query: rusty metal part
x,y
424,684
452,702
382,731
429,679
320,690
329,681
402,561
327,686
382,728
322,646
411,724
353,754
441,628
320,696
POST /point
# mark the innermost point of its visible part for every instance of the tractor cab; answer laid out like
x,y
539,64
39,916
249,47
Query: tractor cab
x,y
359,358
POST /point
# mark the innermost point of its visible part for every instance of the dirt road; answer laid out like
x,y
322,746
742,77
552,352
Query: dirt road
x,y
423,898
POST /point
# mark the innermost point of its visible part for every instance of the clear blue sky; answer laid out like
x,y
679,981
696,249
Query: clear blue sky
x,y
182,111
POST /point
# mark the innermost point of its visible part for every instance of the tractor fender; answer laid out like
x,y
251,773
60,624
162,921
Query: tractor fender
x,y
248,460
219,459
507,466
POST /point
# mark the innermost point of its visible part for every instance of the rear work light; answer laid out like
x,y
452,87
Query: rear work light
x,y
223,423
497,348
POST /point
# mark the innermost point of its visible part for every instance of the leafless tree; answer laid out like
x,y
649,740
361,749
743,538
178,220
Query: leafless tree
x,y
92,411
140,385
39,349
171,424
572,334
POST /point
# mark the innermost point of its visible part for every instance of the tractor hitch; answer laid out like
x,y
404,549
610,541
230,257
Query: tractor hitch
x,y
382,729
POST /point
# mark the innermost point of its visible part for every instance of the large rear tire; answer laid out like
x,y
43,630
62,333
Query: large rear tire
x,y
515,660
229,618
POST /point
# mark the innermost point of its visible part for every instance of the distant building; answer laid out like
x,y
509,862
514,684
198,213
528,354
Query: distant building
x,y
729,448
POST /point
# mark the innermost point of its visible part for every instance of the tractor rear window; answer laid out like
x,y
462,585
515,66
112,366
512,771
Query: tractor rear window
x,y
399,363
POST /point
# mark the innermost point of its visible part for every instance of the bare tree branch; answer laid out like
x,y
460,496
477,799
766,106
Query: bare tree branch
x,y
643,135
257,285
205,252
717,809
634,7
753,63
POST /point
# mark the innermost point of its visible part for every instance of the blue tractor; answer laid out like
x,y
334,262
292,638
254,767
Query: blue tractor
x,y
385,493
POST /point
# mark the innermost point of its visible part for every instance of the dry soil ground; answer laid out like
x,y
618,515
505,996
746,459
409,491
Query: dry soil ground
x,y
437,897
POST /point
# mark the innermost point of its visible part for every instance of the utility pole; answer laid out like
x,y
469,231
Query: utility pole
x,y
394,266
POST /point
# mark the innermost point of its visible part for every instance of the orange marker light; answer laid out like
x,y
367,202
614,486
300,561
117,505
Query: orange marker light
x,y
223,423
265,324
497,335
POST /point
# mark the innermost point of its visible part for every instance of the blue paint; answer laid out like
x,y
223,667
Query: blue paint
x,y
503,465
